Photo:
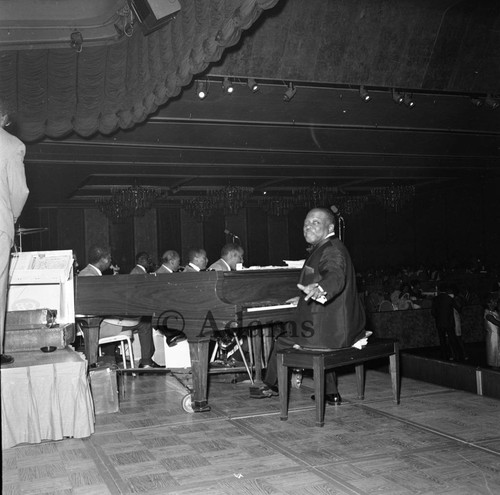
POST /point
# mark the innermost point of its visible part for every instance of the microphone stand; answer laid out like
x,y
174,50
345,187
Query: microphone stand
x,y
341,223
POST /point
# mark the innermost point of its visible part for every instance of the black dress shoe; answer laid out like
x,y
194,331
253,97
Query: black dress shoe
x,y
332,399
175,339
152,364
6,359
263,392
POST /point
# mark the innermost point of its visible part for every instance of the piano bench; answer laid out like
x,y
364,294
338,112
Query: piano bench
x,y
324,360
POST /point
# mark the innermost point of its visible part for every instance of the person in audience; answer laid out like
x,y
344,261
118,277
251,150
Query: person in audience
x,y
458,304
99,261
492,328
197,260
13,195
329,313
442,311
231,254
170,262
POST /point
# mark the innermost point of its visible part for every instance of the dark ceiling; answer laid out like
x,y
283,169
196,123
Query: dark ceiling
x,y
442,53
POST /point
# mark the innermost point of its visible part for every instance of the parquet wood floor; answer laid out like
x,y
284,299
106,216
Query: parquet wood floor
x,y
437,441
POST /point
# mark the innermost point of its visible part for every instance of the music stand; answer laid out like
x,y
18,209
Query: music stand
x,y
20,231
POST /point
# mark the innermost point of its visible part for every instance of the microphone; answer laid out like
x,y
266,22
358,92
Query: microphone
x,y
228,232
335,210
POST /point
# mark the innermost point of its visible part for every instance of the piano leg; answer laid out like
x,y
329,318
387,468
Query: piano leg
x,y
90,329
256,336
198,351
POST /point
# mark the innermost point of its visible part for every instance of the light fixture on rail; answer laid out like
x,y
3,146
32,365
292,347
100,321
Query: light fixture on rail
x,y
477,102
252,85
408,100
202,89
290,92
397,97
227,87
492,102
363,94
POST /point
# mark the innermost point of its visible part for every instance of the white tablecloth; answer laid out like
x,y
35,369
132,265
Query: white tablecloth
x,y
45,397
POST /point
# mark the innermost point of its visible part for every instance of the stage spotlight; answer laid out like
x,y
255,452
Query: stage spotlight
x,y
252,85
492,102
397,97
363,94
227,87
202,89
408,101
290,92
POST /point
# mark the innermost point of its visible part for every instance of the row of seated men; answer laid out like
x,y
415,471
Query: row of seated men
x,y
99,259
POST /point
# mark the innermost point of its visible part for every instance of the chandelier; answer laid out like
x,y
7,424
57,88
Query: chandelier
x,y
351,205
394,197
199,208
230,199
277,206
315,196
126,202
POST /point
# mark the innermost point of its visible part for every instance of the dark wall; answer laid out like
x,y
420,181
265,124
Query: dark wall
x,y
449,226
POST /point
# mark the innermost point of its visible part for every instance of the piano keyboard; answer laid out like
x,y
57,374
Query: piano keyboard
x,y
269,308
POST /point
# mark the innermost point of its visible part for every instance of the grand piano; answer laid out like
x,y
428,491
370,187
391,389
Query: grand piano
x,y
199,304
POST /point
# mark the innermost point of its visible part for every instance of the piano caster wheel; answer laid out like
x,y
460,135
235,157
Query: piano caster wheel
x,y
187,403
296,381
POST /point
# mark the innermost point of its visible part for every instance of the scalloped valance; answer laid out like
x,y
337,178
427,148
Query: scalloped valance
x,y
56,91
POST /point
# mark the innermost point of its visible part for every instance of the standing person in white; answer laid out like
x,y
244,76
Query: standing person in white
x,y
13,195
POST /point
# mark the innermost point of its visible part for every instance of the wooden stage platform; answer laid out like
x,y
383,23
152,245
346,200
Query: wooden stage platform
x,y
473,375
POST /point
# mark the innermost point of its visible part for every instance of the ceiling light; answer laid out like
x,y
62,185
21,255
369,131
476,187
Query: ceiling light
x,y
492,102
201,89
252,85
290,92
364,94
227,87
476,102
408,101
397,97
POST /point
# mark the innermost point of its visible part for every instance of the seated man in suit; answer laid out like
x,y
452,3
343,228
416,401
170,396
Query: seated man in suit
x,y
170,262
99,261
197,260
329,313
143,265
231,254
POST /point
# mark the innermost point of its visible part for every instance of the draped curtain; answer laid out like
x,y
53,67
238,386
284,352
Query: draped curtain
x,y
53,92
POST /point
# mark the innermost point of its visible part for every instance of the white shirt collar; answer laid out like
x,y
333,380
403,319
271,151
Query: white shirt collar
x,y
167,268
196,268
142,268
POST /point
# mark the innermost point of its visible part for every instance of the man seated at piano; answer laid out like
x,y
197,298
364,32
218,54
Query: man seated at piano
x,y
197,260
170,262
329,313
231,254
99,261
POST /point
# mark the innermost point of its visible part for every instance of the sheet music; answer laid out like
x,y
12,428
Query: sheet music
x,y
49,263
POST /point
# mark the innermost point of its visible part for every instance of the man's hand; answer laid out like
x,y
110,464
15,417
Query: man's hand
x,y
293,300
313,291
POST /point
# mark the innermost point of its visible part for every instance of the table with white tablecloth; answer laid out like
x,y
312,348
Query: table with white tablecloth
x,y
46,396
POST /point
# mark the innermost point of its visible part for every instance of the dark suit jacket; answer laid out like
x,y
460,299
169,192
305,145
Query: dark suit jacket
x,y
340,322
442,310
